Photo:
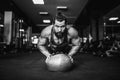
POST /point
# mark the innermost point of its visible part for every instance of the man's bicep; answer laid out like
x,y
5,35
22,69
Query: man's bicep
x,y
42,41
76,41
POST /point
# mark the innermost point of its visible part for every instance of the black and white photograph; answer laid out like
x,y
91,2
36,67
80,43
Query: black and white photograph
x,y
59,39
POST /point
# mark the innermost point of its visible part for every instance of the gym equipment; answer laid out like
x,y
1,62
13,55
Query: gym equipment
x,y
59,62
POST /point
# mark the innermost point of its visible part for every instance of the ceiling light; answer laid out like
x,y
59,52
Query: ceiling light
x,y
38,1
43,13
46,21
113,18
118,21
61,7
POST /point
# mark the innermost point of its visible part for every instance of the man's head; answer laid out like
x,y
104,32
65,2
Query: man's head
x,y
59,25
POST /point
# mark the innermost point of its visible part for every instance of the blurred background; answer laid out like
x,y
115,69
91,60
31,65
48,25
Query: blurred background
x,y
21,21
98,25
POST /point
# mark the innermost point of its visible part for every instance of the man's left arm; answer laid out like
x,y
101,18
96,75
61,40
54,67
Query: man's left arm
x,y
75,45
75,40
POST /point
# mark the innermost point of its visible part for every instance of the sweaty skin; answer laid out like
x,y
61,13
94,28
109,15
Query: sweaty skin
x,y
45,37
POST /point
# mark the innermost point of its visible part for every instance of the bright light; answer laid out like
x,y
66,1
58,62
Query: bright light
x,y
118,21
43,13
46,21
113,18
84,39
38,1
61,7
1,25
22,30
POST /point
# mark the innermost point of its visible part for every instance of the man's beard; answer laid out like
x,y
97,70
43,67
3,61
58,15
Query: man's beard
x,y
59,34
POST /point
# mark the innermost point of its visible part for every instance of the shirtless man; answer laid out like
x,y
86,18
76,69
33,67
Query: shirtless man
x,y
59,38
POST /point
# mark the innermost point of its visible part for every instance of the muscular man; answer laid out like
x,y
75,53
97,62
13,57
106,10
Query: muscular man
x,y
59,37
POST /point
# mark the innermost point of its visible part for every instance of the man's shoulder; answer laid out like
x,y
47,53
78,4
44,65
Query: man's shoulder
x,y
72,31
46,31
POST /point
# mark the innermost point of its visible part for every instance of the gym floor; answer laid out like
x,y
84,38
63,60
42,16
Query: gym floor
x,y
31,66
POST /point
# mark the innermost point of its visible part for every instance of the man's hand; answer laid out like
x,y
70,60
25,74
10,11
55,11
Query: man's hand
x,y
48,57
71,58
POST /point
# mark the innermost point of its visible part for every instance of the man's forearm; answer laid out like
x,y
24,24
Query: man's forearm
x,y
44,50
73,50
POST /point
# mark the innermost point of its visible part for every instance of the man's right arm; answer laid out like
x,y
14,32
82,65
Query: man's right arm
x,y
41,45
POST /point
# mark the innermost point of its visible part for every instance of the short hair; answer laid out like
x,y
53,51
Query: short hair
x,y
60,17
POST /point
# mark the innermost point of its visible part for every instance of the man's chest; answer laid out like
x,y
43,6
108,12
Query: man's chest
x,y
58,41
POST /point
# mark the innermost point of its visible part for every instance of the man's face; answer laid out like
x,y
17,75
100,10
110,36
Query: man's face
x,y
59,28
